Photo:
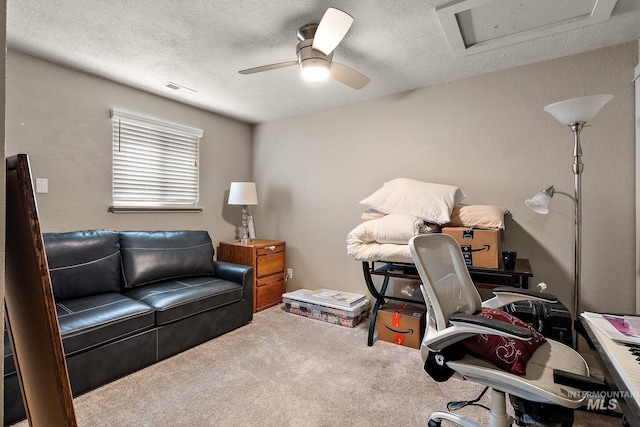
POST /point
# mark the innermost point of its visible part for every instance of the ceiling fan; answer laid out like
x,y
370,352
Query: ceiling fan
x,y
315,52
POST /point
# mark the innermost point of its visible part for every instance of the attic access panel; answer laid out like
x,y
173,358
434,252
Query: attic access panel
x,y
473,26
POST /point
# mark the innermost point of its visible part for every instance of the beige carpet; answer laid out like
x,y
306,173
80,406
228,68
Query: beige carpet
x,y
284,370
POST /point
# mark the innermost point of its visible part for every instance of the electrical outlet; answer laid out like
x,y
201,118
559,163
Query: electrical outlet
x,y
289,273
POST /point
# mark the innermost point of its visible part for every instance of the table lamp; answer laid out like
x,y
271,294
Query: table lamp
x,y
245,194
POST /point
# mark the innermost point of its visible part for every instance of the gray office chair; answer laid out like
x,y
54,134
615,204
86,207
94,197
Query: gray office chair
x,y
453,302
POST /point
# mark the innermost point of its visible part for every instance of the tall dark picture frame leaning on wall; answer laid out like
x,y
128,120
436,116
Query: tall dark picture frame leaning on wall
x,y
30,308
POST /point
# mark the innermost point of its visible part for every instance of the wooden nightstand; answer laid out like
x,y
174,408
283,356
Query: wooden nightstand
x,y
267,257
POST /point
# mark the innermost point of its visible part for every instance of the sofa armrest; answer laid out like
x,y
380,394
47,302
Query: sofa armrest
x,y
238,273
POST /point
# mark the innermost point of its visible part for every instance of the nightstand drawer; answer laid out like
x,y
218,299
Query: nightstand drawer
x,y
270,264
270,250
269,291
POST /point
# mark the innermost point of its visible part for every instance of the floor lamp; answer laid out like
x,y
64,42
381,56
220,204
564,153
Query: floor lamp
x,y
573,113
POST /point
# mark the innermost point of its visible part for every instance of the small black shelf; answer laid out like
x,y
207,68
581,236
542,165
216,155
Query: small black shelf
x,y
482,277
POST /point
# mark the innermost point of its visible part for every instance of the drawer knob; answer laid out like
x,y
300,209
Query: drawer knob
x,y
271,247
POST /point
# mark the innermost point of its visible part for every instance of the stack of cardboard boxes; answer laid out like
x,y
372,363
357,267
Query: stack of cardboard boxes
x,y
404,324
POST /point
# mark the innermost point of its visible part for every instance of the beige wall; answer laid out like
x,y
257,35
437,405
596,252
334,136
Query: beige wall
x,y
486,134
60,118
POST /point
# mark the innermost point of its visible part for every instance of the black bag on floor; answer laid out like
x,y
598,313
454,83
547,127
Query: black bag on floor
x,y
535,414
553,320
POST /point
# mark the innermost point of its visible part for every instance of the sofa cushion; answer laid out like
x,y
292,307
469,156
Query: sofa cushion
x,y
83,263
98,319
177,299
152,256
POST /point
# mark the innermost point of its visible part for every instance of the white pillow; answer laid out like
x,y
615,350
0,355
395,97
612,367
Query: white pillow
x,y
430,202
478,216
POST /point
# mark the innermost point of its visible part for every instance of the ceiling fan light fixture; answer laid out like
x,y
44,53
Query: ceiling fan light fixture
x,y
315,52
315,69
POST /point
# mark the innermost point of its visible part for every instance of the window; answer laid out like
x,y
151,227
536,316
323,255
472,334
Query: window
x,y
155,164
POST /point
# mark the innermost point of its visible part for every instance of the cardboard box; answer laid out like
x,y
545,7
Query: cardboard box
x,y
480,248
402,324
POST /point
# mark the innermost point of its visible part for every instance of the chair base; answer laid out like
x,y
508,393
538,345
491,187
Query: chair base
x,y
497,418
438,417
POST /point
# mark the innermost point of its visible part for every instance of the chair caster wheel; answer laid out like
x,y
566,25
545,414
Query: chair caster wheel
x,y
433,423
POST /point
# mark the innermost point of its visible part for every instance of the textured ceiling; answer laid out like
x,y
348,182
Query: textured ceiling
x,y
201,45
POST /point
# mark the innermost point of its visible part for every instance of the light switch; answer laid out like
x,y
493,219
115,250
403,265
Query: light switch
x,y
42,185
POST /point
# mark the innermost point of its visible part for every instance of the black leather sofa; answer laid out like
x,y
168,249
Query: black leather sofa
x,y
126,300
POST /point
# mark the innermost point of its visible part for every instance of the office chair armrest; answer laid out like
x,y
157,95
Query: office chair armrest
x,y
579,382
507,295
467,325
492,326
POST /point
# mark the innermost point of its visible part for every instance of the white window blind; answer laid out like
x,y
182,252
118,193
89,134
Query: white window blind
x,y
155,163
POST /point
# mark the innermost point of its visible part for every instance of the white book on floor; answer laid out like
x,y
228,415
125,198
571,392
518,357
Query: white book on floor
x,y
340,298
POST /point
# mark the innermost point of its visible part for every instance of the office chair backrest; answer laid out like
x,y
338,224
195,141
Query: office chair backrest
x,y
445,277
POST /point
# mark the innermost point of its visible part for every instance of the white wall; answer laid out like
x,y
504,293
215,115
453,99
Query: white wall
x,y
60,118
486,134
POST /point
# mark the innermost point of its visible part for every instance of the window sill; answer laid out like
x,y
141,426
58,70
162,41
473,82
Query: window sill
x,y
154,209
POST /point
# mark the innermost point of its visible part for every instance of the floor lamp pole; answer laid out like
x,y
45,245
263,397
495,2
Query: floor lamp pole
x,y
574,113
578,166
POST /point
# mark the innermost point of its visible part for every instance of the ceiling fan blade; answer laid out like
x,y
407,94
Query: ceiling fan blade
x,y
331,30
268,67
348,76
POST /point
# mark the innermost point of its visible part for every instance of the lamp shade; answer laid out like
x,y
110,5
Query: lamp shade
x,y
577,110
540,202
243,193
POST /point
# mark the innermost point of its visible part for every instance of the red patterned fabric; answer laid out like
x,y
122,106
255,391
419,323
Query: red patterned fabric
x,y
507,353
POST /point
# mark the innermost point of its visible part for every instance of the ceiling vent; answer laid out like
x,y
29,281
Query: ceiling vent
x,y
179,88
473,26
